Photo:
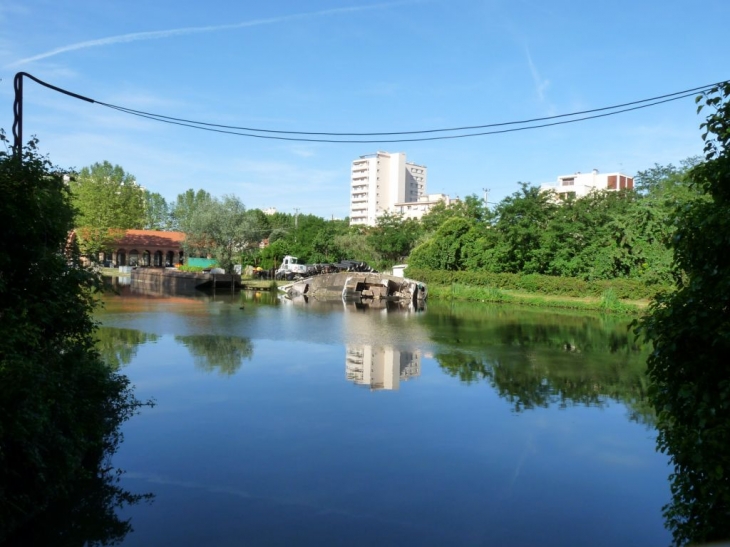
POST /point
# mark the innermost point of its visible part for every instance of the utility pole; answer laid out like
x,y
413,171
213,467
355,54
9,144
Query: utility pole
x,y
18,108
486,193
296,222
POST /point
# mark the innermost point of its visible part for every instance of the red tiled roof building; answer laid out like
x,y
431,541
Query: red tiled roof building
x,y
148,248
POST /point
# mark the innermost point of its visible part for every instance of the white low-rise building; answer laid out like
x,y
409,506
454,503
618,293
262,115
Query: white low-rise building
x,y
416,209
580,184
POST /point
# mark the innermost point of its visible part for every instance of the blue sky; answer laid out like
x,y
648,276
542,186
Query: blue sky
x,y
358,66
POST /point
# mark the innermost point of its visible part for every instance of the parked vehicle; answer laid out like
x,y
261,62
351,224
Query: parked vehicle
x,y
291,268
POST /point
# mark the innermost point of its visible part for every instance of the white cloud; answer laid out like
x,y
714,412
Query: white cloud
x,y
170,33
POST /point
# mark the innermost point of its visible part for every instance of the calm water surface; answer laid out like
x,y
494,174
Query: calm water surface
x,y
279,423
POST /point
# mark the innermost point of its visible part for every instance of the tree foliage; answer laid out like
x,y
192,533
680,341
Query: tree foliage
x,y
181,212
471,207
60,405
105,198
690,330
605,235
394,236
156,212
446,249
220,228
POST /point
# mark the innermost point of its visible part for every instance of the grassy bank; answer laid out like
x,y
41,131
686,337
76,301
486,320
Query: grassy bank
x,y
606,303
262,284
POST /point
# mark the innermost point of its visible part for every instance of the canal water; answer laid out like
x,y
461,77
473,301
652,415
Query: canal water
x,y
300,423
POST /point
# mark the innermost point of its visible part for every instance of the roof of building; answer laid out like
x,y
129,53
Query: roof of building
x,y
150,238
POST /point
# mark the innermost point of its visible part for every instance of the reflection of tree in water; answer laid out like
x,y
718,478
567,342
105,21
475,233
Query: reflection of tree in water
x,y
82,506
539,359
224,353
85,516
119,346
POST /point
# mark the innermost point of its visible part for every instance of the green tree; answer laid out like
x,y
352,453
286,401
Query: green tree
x,y
690,331
663,178
181,212
60,405
394,237
471,207
521,220
355,245
221,228
156,212
106,198
270,257
446,249
324,247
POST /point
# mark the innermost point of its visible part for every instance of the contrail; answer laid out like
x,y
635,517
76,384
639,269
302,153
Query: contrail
x,y
158,34
540,84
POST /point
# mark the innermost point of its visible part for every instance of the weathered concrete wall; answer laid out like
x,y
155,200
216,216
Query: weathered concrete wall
x,y
169,280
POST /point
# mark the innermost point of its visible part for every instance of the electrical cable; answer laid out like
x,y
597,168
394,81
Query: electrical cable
x,y
246,131
463,128
417,139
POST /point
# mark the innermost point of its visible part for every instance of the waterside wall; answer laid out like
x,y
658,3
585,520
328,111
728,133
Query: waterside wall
x,y
172,280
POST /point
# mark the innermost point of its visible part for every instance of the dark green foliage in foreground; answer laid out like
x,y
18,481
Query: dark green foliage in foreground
x,y
690,329
60,405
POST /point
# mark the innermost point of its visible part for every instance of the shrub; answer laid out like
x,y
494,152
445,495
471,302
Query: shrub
x,y
624,289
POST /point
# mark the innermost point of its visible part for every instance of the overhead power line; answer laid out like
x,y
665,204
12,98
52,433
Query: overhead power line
x,y
677,95
311,136
416,139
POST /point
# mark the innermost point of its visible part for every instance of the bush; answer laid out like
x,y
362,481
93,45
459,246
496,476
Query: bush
x,y
625,289
193,269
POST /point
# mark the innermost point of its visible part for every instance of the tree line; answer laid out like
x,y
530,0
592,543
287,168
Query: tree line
x,y
606,235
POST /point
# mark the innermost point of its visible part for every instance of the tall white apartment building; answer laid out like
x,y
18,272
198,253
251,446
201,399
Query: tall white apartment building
x,y
379,181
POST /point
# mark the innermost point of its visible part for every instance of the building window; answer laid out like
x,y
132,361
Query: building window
x,y
612,182
569,181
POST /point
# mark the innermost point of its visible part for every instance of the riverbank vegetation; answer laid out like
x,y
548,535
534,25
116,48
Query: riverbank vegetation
x,y
690,331
61,406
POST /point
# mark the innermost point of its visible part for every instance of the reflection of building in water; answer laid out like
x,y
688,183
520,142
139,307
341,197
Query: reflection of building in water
x,y
380,367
